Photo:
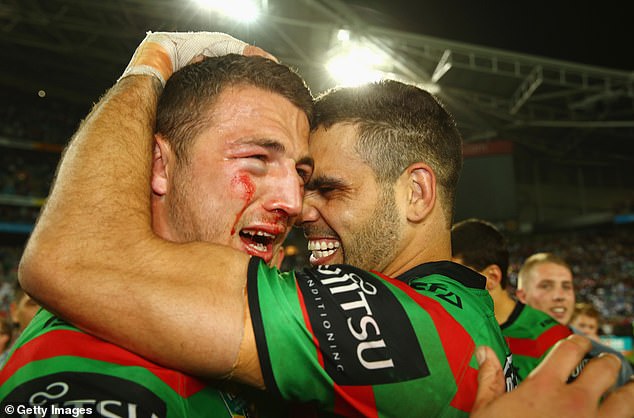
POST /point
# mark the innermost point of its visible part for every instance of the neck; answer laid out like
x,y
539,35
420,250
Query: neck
x,y
419,247
503,305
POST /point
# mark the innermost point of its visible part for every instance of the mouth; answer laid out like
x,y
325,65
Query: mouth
x,y
258,242
558,311
323,251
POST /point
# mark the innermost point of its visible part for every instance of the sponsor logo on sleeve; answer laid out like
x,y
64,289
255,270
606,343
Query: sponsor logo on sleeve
x,y
510,373
363,332
84,394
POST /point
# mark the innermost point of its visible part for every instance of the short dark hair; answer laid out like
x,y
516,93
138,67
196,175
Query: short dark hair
x,y
480,244
398,125
184,106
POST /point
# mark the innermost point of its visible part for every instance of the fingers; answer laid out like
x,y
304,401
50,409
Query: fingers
x,y
619,404
254,50
599,374
564,357
490,377
160,54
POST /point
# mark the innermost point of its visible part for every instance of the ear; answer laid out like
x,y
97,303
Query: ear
x,y
520,294
4,339
13,312
162,161
493,273
421,183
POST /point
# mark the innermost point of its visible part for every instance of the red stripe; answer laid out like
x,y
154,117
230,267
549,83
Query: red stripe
x,y
355,401
465,398
302,303
74,343
456,341
538,347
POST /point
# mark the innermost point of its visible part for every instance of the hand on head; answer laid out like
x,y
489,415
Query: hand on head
x,y
162,53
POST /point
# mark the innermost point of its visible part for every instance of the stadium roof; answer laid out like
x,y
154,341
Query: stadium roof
x,y
75,49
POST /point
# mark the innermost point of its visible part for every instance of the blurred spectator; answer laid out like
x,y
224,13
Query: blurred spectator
x,y
29,117
586,319
545,283
6,334
602,262
22,310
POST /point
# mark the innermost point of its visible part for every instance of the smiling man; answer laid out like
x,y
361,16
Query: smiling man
x,y
545,283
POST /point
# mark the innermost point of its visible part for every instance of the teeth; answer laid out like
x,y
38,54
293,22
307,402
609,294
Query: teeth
x,y
321,254
259,247
260,233
322,245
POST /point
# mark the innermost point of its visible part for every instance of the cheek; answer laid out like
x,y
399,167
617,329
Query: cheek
x,y
537,298
242,185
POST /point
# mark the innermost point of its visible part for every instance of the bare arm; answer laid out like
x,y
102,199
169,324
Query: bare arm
x,y
94,259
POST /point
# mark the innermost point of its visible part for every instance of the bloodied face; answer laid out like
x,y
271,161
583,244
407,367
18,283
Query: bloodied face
x,y
242,184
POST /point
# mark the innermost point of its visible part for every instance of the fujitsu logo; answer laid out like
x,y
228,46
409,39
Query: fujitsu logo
x,y
350,290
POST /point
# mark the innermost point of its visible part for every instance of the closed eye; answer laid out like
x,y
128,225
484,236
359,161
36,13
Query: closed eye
x,y
304,175
261,157
326,186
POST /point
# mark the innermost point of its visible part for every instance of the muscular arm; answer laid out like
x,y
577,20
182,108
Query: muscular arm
x,y
94,259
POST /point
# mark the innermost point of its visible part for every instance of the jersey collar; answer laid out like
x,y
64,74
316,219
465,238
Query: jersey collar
x,y
455,271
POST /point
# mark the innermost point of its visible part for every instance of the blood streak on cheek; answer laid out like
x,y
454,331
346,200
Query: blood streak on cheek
x,y
242,183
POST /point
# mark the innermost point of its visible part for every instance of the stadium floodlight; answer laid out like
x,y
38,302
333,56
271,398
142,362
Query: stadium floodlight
x,y
356,65
241,10
343,35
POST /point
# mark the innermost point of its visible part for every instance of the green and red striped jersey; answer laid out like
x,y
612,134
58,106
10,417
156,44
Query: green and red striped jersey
x,y
55,365
359,344
530,334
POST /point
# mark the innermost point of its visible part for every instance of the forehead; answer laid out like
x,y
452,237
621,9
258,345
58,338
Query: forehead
x,y
251,112
334,152
551,272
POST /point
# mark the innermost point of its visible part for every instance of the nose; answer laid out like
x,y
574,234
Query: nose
x,y
560,294
285,192
309,210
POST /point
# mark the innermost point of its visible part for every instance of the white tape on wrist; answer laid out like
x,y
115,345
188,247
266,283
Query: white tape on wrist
x,y
162,53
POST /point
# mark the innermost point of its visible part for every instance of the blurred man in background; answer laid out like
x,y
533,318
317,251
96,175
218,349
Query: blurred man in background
x,y
545,282
529,332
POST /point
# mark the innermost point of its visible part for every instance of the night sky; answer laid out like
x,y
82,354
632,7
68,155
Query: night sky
x,y
597,32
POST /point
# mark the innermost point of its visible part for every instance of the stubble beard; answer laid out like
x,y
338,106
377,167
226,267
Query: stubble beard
x,y
375,244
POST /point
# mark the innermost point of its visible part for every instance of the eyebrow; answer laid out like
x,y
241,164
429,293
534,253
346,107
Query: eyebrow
x,y
277,147
325,181
271,144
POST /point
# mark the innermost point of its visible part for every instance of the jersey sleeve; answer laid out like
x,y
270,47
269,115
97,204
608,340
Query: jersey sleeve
x,y
65,372
353,343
